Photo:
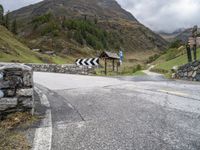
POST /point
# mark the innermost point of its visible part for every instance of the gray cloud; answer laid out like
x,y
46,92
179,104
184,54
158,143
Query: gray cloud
x,y
16,4
167,15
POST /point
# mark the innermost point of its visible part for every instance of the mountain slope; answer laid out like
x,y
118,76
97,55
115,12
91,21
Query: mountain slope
x,y
12,50
60,25
183,36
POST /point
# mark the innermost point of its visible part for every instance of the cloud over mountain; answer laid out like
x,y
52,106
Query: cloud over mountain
x,y
156,14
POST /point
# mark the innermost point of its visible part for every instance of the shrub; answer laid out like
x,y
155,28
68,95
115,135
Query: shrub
x,y
159,70
51,27
78,37
42,19
153,58
88,31
176,44
171,54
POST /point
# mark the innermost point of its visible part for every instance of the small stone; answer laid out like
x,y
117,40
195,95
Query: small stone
x,y
9,92
185,74
194,74
26,102
195,68
8,101
24,92
173,76
198,77
190,73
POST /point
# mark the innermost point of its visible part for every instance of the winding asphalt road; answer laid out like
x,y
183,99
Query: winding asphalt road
x,y
122,113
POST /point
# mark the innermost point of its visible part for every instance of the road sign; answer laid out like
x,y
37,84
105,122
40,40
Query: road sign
x,y
121,55
88,62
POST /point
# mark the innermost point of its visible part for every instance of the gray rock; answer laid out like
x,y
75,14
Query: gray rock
x,y
1,94
198,77
190,74
6,103
194,74
24,92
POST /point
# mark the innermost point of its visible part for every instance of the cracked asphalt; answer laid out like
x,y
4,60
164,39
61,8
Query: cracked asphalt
x,y
122,113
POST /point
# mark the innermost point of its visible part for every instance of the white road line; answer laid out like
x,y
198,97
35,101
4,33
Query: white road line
x,y
173,92
43,135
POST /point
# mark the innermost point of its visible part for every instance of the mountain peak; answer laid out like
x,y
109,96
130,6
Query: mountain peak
x,y
103,9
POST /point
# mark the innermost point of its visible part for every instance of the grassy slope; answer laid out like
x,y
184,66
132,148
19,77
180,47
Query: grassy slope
x,y
11,50
178,61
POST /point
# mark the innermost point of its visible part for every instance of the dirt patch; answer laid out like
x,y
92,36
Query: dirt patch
x,y
11,129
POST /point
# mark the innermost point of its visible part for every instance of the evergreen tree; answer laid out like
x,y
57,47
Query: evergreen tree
x,y
7,20
63,22
95,20
14,27
1,15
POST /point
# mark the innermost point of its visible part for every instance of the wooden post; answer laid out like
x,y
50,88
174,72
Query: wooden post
x,y
117,67
113,65
105,66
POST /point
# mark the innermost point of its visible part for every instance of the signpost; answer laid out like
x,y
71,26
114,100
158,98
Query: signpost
x,y
193,43
194,34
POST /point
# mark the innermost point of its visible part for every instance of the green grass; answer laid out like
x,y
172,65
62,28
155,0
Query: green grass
x,y
178,61
11,50
139,73
12,131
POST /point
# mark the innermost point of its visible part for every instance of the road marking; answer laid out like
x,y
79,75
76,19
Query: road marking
x,y
43,135
173,92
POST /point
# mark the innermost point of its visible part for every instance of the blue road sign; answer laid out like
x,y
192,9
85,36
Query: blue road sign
x,y
121,55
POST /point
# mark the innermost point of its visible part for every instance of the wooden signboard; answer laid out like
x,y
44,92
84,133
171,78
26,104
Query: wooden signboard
x,y
198,41
191,41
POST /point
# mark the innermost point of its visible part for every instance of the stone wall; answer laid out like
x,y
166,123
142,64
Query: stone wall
x,y
65,68
16,88
190,71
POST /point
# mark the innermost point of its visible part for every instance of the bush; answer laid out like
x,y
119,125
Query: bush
x,y
51,27
78,37
88,31
42,19
153,58
176,44
159,70
171,54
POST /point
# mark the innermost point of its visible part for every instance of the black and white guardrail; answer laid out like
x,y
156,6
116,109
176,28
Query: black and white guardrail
x,y
88,62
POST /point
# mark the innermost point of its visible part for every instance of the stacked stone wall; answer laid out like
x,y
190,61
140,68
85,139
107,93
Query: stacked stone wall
x,y
190,71
16,88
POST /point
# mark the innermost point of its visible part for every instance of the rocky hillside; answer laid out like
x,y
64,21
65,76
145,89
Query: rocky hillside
x,y
69,27
183,36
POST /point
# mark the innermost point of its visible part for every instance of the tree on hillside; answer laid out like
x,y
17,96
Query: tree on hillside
x,y
95,19
14,27
7,20
63,22
1,14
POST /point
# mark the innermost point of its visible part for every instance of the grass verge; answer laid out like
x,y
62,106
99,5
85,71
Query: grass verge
x,y
11,136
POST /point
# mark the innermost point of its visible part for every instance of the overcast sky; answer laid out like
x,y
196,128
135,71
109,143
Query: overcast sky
x,y
167,15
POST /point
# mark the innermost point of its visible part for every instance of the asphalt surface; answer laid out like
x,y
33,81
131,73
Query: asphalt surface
x,y
121,113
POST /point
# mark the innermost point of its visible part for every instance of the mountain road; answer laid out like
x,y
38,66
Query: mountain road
x,y
117,113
